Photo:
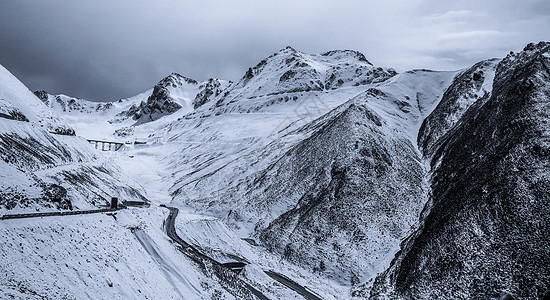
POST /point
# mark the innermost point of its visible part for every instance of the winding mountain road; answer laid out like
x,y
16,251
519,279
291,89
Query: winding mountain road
x,y
171,232
293,285
170,228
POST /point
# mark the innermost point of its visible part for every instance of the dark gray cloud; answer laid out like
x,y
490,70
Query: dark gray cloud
x,y
105,49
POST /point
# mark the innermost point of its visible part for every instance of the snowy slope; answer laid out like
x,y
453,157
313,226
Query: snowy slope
x,y
254,168
44,165
291,116
92,120
18,102
85,256
98,257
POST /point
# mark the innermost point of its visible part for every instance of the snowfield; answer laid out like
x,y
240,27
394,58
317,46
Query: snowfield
x,y
98,257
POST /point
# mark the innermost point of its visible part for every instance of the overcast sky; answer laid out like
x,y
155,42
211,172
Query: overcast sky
x,y
110,49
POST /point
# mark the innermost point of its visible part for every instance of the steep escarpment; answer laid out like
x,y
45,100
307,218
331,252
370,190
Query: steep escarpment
x,y
467,88
486,228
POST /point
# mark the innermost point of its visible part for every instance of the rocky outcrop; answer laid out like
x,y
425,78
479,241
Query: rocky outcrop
x,y
208,91
42,95
161,101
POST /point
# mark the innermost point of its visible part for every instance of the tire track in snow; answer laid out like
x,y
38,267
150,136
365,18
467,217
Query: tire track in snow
x,y
167,267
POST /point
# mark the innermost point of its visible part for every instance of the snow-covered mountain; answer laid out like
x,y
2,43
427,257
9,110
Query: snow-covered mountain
x,y
282,76
351,179
118,120
291,174
171,94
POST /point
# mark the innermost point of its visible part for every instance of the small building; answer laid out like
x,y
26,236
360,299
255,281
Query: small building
x,y
114,203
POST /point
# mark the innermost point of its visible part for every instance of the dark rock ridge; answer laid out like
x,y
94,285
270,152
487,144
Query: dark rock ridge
x,y
486,229
13,114
467,88
42,95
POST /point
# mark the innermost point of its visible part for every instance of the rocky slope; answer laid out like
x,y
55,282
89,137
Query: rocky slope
x,y
468,87
209,90
485,230
348,194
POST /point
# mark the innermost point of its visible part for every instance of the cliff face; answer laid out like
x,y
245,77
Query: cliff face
x,y
486,228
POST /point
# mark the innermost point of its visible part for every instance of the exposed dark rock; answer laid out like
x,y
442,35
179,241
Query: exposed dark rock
x,y
42,95
208,92
362,75
64,131
287,75
249,74
56,194
124,131
160,103
463,92
14,114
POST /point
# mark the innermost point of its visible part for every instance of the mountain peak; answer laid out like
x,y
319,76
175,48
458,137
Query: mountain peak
x,y
174,80
292,71
347,53
288,48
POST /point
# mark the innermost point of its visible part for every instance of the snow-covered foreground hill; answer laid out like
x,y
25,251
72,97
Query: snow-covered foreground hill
x,y
44,165
324,168
97,257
